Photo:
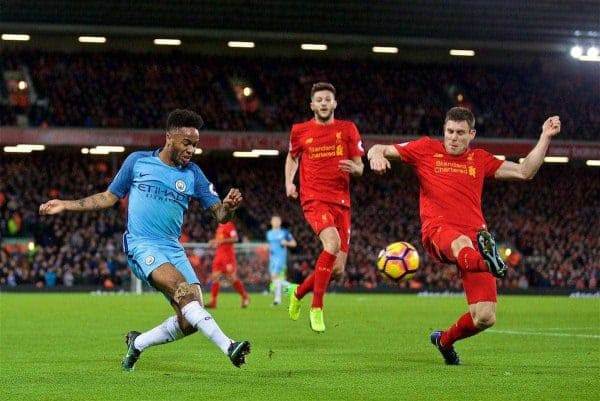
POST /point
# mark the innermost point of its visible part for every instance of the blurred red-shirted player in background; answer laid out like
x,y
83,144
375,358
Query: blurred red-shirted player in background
x,y
224,264
327,151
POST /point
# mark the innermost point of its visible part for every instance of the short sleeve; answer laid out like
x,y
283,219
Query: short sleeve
x,y
295,143
204,190
356,148
410,151
490,163
122,182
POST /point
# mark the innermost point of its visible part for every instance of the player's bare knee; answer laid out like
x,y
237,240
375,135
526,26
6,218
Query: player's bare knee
x,y
185,293
332,246
484,320
459,243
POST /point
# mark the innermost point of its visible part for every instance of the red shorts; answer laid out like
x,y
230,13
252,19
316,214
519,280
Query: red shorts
x,y
224,264
479,286
321,215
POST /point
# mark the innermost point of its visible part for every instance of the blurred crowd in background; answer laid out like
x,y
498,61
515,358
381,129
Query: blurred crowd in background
x,y
111,90
550,224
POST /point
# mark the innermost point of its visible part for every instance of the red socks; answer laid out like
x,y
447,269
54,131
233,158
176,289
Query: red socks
x,y
463,328
239,287
306,286
214,292
471,260
323,269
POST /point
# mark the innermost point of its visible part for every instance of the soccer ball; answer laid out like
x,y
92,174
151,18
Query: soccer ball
x,y
398,261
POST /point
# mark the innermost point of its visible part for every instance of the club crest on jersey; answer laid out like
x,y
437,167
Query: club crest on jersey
x,y
338,136
470,157
149,260
309,140
180,185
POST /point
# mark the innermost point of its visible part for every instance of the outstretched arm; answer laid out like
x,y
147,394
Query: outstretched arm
x,y
527,169
378,157
291,166
223,211
97,201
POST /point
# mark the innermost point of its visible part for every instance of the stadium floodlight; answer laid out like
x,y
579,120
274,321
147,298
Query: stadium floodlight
x,y
592,163
91,39
385,49
576,51
22,85
592,52
118,149
595,59
245,154
556,159
462,52
247,91
32,147
95,151
16,149
266,152
16,37
500,157
167,42
313,46
241,44
198,151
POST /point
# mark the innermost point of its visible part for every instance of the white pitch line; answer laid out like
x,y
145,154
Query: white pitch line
x,y
543,333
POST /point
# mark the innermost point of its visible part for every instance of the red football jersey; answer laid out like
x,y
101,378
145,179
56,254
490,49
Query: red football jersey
x,y
224,231
320,148
451,186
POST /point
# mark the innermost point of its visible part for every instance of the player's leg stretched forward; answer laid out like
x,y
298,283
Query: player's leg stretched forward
x,y
318,281
190,317
480,290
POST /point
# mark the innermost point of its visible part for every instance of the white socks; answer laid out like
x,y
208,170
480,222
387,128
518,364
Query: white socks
x,y
165,332
279,284
204,322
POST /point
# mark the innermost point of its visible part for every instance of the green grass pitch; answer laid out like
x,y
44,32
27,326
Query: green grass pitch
x,y
376,347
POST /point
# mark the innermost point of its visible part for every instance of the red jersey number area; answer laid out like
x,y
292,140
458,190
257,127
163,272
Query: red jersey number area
x,y
321,147
451,186
224,260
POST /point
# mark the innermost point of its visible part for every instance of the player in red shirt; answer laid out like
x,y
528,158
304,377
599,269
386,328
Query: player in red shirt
x,y
327,151
224,264
451,176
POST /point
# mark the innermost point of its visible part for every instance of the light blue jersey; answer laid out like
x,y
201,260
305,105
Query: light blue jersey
x,y
159,195
278,252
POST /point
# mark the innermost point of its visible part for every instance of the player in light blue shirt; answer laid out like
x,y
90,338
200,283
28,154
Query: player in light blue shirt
x,y
160,185
279,240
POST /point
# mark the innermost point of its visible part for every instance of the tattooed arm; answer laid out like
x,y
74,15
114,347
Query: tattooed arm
x,y
97,201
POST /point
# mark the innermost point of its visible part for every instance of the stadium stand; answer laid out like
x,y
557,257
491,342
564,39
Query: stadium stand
x,y
118,89
549,223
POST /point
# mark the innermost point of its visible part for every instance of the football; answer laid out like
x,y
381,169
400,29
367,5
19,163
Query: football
x,y
398,261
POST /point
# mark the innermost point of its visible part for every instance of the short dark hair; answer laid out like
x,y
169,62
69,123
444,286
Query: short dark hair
x,y
460,114
179,118
322,86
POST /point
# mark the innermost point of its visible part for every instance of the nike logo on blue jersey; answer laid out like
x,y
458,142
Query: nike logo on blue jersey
x,y
143,175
